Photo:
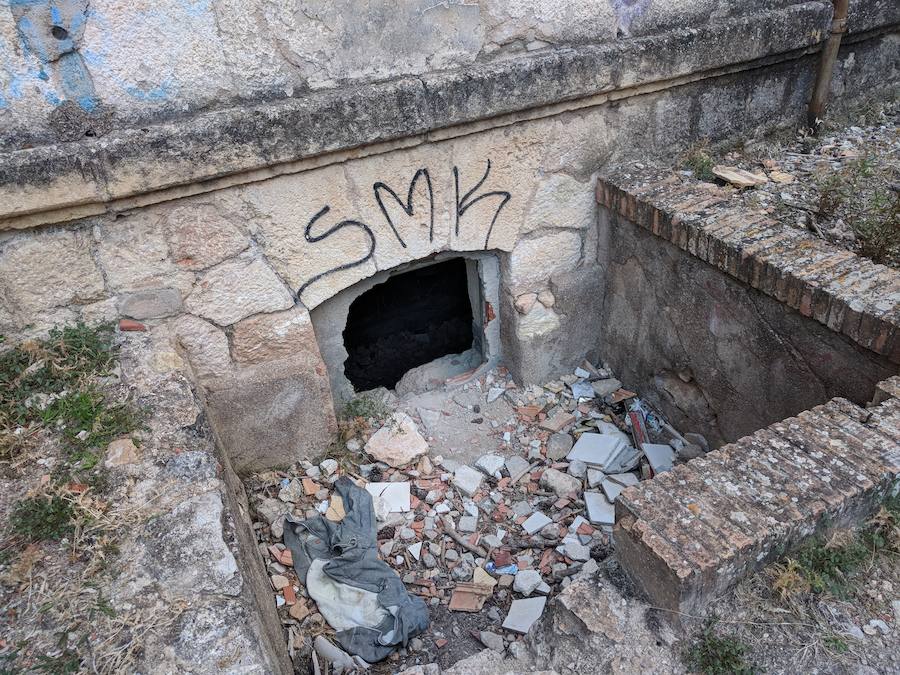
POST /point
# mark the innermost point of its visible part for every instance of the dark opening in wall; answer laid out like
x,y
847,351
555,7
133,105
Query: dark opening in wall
x,y
407,321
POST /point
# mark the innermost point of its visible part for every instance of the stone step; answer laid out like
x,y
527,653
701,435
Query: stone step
x,y
690,534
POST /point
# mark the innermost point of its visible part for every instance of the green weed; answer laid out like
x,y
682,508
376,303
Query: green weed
x,y
42,517
713,653
863,195
831,565
701,164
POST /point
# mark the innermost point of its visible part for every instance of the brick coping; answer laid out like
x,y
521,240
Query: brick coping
x,y
846,292
690,534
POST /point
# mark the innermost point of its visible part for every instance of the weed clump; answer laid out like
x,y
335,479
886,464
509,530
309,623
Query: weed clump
x,y
52,384
832,565
715,653
865,197
701,164
43,517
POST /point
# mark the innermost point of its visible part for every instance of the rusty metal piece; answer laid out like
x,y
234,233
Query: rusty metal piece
x,y
826,64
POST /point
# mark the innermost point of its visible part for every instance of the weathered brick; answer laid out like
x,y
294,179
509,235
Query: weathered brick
x,y
751,501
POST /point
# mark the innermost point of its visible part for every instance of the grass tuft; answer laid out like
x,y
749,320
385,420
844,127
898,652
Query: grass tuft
x,y
715,653
43,517
865,196
699,161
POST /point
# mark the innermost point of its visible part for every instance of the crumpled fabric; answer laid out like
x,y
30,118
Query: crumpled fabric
x,y
357,593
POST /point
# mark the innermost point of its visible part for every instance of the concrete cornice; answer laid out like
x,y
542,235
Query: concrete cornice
x,y
135,167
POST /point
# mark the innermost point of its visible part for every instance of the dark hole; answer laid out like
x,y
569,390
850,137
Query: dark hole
x,y
409,320
59,32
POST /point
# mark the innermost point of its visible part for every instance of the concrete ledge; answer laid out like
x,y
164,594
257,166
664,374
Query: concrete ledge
x,y
847,293
690,534
67,181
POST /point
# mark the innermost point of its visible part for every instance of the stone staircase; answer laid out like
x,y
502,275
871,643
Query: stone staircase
x,y
690,534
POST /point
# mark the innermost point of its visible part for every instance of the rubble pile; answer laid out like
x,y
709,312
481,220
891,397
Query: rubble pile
x,y
492,538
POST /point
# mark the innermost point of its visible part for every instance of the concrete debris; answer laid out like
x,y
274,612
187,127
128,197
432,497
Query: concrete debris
x,y
473,531
560,483
398,442
608,452
523,614
558,446
604,388
527,581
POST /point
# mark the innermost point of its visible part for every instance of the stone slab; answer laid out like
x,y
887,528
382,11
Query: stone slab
x,y
523,614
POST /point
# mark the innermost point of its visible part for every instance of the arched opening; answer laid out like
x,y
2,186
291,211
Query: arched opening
x,y
409,320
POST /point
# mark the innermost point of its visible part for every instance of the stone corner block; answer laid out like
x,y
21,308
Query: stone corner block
x,y
272,414
269,337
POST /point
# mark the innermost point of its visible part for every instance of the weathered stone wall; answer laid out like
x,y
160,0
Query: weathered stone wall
x,y
227,228
68,67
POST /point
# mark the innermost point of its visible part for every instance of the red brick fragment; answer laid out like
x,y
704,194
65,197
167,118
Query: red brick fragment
x,y
131,325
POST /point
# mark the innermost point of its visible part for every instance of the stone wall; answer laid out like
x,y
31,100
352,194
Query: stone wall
x,y
716,356
226,228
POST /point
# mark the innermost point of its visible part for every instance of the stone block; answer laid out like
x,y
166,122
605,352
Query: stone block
x,y
272,414
150,304
266,337
200,237
236,289
134,254
206,347
47,270
534,260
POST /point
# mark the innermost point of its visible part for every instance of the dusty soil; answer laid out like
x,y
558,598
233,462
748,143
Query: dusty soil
x,y
843,185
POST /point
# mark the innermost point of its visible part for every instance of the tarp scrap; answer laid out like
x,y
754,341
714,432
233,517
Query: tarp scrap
x,y
358,594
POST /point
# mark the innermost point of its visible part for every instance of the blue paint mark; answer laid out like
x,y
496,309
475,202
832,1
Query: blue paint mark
x,y
76,82
158,93
195,8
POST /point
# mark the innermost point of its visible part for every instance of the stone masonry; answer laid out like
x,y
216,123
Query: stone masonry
x,y
688,535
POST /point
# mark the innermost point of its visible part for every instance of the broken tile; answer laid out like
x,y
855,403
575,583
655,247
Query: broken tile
x,y
469,597
396,495
610,453
467,480
468,524
415,550
558,420
615,483
535,522
600,511
490,464
523,614
661,457
516,467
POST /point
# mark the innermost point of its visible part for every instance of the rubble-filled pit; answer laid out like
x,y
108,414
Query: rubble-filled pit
x,y
477,488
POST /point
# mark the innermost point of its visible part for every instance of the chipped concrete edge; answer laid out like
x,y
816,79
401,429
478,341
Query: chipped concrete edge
x,y
848,293
79,179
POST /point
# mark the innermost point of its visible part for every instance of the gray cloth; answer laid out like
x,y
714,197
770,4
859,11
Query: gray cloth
x,y
350,548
